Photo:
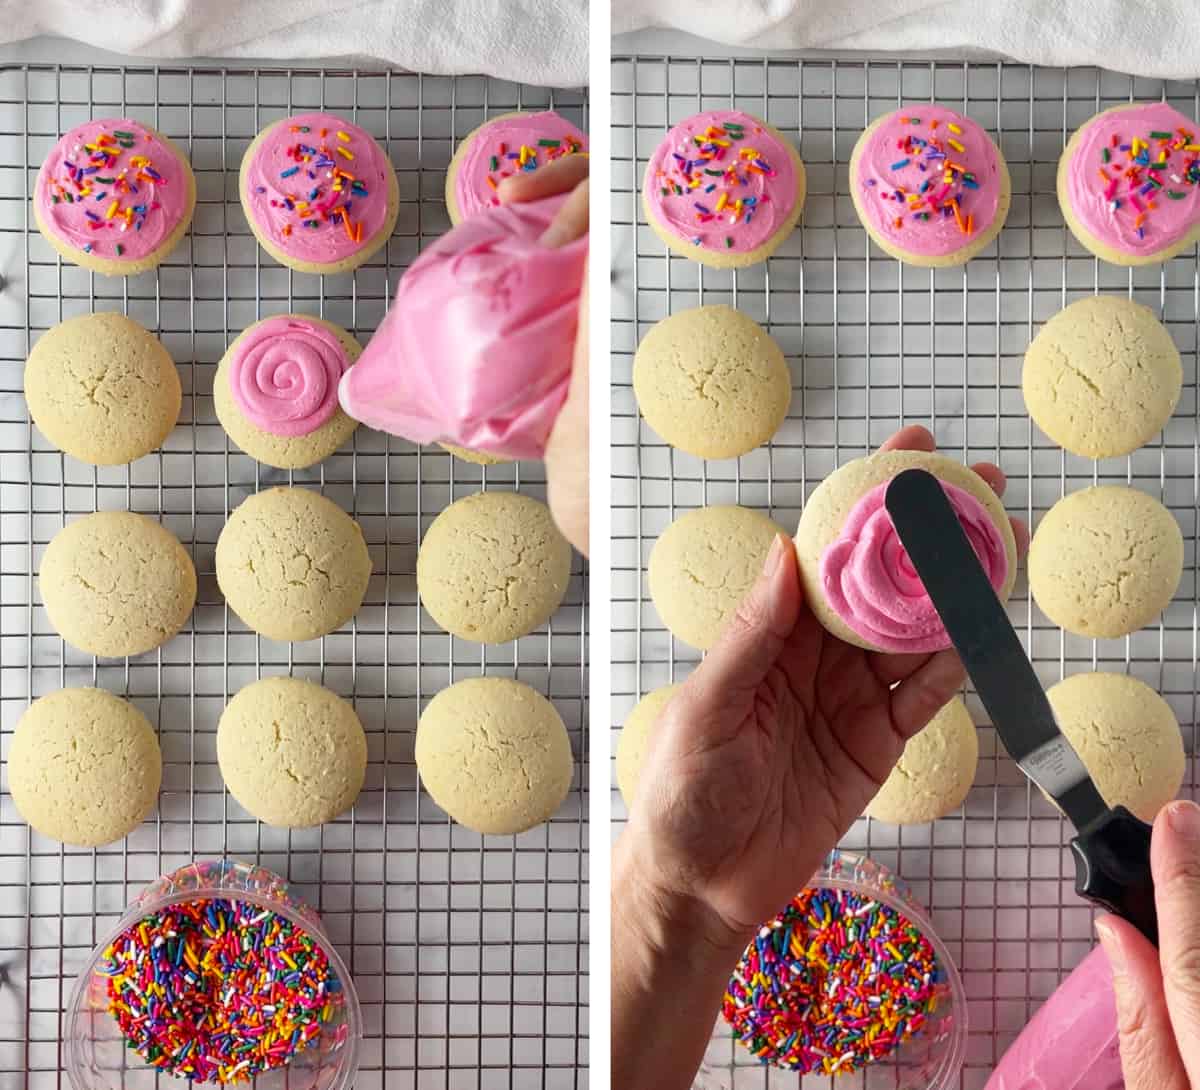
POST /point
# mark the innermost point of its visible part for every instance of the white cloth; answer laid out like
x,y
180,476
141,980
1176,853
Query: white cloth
x,y
1159,38
542,42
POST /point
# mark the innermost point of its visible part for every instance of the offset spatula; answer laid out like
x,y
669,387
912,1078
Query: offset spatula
x,y
1111,846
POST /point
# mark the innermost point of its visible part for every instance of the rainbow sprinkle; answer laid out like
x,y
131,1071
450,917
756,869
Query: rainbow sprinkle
x,y
219,990
325,190
836,981
934,185
1149,164
505,161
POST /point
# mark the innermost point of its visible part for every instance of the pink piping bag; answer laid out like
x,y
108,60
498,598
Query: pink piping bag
x,y
1071,1043
477,347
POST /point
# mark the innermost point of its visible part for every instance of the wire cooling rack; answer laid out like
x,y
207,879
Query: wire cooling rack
x,y
469,953
872,344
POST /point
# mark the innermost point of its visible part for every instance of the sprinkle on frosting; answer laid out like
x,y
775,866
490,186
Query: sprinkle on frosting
x,y
111,187
928,179
1133,178
284,375
836,981
872,585
722,180
219,991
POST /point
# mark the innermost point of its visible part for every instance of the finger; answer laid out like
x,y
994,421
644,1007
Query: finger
x,y
891,668
926,692
912,437
567,455
1175,864
555,177
993,475
570,221
1148,1053
1021,536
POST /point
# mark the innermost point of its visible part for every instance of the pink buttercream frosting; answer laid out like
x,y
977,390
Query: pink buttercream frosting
x,y
872,585
720,186
477,348
928,179
112,188
317,187
284,375
509,145
1141,198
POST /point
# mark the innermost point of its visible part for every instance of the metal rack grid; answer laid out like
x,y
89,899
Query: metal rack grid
x,y
469,953
871,344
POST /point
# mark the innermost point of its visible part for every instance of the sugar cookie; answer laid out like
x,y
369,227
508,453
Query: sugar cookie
x,y
319,193
493,567
929,185
724,188
1127,184
275,390
114,196
508,144
494,754
292,564
291,752
475,457
1105,561
1127,737
712,382
84,767
857,580
116,583
934,772
702,567
635,738
102,388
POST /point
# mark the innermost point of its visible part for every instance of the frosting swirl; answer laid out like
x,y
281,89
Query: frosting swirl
x,y
1132,178
284,376
872,585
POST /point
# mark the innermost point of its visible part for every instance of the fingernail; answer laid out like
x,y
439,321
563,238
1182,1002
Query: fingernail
x,y
771,564
1184,819
1112,946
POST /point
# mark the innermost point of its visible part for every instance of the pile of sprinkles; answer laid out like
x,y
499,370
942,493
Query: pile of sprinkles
x,y
836,981
714,171
114,179
1135,174
525,157
932,177
322,183
219,991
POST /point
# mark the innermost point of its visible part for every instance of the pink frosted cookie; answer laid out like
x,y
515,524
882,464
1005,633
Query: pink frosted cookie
x,y
724,189
275,390
114,196
507,144
319,193
857,577
1128,183
929,185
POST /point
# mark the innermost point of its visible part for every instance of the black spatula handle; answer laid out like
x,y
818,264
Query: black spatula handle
x,y
1112,868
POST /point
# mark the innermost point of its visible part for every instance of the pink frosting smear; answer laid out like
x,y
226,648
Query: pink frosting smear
x,y
928,179
317,187
476,350
722,181
872,585
1132,180
110,187
1071,1043
510,145
284,375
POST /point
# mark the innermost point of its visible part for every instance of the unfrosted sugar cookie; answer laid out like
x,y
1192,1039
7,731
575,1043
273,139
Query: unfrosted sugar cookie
x,y
102,388
494,754
1127,737
291,752
1105,561
114,196
857,578
635,738
275,390
1128,183
724,188
929,185
505,145
934,772
84,767
1102,377
319,193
